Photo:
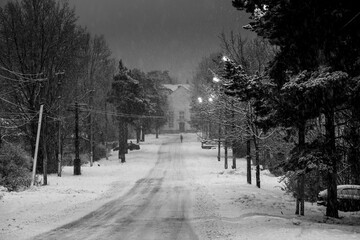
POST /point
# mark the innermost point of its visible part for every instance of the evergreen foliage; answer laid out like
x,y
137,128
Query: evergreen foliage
x,y
14,168
312,76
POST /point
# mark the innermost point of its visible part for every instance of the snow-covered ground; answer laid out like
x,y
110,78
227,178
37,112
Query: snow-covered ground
x,y
231,208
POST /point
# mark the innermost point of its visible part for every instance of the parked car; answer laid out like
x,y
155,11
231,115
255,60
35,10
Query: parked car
x,y
348,198
208,144
131,146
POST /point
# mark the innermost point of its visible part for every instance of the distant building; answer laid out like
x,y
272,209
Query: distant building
x,y
178,115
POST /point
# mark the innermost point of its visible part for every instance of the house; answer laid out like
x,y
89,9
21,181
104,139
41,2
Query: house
x,y
178,115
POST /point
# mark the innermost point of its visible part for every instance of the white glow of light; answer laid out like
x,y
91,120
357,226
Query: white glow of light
x,y
211,99
200,100
225,59
216,79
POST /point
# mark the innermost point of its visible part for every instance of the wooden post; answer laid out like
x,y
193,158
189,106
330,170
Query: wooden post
x,y
37,145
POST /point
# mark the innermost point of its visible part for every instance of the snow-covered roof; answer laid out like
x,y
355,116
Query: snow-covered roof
x,y
173,87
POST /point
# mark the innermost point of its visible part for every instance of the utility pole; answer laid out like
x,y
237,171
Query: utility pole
x,y
37,145
59,156
77,163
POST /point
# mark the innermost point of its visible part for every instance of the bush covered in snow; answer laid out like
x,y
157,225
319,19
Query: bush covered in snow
x,y
15,172
313,185
100,152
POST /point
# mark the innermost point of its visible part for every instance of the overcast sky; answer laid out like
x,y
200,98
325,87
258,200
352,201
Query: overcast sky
x,y
161,34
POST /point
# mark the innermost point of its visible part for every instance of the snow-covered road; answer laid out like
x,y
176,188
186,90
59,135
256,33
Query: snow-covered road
x,y
156,207
166,190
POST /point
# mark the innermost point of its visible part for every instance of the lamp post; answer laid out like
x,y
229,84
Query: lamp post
x,y
207,130
216,79
211,100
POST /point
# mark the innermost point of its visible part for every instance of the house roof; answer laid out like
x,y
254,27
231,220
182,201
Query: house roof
x,y
174,87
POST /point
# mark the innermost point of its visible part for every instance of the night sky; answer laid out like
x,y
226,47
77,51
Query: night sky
x,y
169,35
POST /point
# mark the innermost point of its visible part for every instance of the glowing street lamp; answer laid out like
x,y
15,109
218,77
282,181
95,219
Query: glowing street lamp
x,y
225,59
216,79
200,100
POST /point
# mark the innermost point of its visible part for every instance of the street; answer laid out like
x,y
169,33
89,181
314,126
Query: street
x,y
166,190
156,207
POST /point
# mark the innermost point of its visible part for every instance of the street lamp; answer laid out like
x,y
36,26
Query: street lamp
x,y
216,79
225,59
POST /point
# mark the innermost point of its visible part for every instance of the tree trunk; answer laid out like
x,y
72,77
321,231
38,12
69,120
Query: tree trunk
x,y
233,157
143,136
126,137
77,161
121,154
301,178
354,152
106,131
226,155
297,203
138,133
225,149
233,142
248,160
91,138
331,209
45,152
157,132
257,161
219,143
302,194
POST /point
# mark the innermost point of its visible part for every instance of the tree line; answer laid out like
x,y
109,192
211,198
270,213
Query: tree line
x,y
302,101
48,59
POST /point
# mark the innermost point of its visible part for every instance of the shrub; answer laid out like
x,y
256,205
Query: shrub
x,y
15,172
100,152
313,184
